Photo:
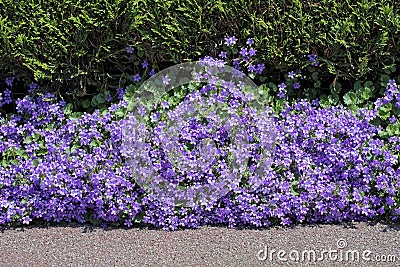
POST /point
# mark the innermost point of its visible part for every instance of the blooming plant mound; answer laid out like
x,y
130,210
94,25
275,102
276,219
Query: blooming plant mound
x,y
330,164
217,137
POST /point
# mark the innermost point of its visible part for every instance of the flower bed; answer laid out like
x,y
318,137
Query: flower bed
x,y
331,164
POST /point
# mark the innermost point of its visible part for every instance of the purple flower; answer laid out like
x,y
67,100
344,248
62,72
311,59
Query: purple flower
x,y
32,88
282,86
252,52
282,90
166,79
313,59
252,68
296,85
392,119
389,201
260,68
9,81
222,54
129,49
26,220
282,94
121,93
145,64
236,63
315,102
165,105
243,52
230,40
136,78
108,98
7,96
250,41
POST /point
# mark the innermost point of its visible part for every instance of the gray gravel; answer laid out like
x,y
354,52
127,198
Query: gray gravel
x,y
82,245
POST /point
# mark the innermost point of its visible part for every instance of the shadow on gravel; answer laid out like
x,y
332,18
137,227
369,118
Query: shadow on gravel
x,y
389,226
86,227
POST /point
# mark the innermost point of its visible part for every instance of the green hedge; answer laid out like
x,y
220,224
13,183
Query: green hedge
x,y
81,44
356,38
73,43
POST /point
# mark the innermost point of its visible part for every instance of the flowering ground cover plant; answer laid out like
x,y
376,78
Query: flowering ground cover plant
x,y
331,164
217,136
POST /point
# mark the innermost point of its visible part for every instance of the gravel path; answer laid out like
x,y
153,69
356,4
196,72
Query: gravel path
x,y
80,245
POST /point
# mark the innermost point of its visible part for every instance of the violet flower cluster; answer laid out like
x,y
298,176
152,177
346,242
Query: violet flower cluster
x,y
57,168
329,166
210,141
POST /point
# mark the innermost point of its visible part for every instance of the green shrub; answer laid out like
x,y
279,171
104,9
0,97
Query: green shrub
x,y
355,38
72,43
81,44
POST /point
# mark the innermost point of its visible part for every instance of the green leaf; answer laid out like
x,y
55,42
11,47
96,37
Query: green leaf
x,y
139,218
42,152
367,93
21,152
393,129
354,108
324,102
387,107
50,127
86,103
68,109
294,188
104,111
333,99
35,162
347,99
369,84
384,114
94,101
5,163
90,218
73,148
376,122
95,143
100,98
120,113
263,78
357,86
28,140
75,115
384,80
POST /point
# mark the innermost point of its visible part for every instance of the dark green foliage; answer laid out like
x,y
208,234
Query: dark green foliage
x,y
354,38
85,41
73,43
